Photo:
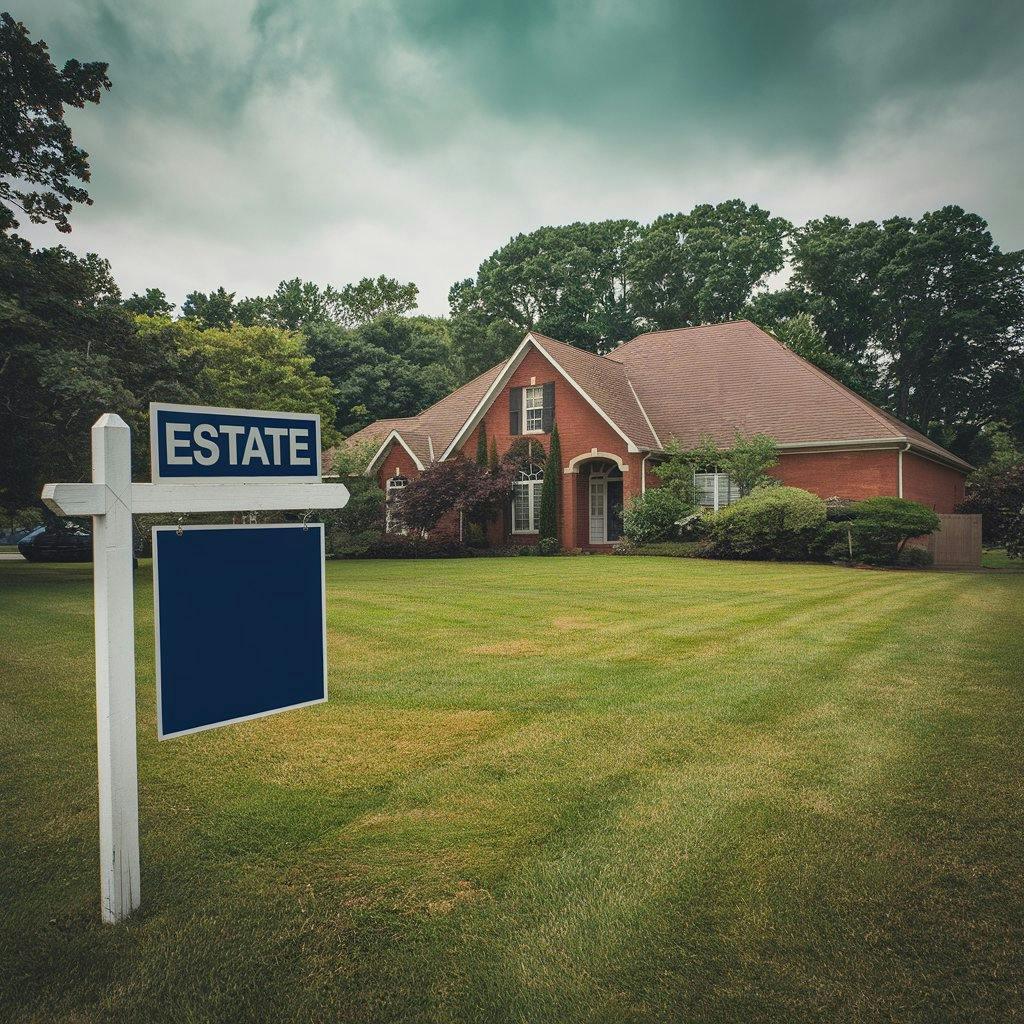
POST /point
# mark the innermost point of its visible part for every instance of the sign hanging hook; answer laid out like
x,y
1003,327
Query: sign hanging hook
x,y
305,518
180,531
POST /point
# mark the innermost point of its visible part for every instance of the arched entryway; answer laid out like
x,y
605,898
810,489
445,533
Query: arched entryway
x,y
602,481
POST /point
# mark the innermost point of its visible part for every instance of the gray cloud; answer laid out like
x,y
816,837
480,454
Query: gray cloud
x,y
243,143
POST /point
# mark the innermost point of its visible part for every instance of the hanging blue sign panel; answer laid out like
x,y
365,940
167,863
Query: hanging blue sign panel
x,y
190,442
240,623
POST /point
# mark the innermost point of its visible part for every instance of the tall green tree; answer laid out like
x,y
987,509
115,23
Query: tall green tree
x,y
391,366
568,282
548,519
151,302
253,367
69,352
370,298
39,161
214,310
703,266
933,304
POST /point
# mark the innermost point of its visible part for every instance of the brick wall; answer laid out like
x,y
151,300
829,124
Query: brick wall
x,y
852,475
938,487
396,462
869,474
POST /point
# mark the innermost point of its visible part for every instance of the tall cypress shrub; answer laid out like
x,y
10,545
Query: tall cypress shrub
x,y
481,447
548,526
493,461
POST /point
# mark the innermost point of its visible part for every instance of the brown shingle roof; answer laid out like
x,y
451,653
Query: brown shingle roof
x,y
430,433
686,383
723,378
607,384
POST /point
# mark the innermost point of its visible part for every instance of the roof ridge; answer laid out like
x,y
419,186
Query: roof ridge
x,y
575,348
679,330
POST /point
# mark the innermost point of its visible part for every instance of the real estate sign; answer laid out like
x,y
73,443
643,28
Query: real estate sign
x,y
240,610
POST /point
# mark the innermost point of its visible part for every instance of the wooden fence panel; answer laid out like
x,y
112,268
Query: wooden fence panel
x,y
957,544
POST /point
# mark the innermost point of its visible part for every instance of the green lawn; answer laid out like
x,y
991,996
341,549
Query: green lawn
x,y
589,789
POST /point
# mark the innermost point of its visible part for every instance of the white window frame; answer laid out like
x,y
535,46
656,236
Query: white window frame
x,y
532,479
717,480
395,483
533,392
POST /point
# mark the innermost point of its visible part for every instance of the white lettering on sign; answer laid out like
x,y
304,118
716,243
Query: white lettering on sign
x,y
187,446
174,443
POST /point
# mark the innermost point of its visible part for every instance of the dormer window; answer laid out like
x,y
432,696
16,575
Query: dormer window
x,y
533,410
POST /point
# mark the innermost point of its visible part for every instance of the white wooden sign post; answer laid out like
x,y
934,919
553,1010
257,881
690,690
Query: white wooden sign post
x,y
111,499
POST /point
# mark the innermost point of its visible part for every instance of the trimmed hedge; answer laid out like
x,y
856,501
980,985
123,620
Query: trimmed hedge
x,y
771,522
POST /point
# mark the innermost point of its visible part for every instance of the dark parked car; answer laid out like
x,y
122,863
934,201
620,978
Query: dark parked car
x,y
54,543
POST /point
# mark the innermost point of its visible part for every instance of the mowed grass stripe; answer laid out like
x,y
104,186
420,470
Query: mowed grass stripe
x,y
550,789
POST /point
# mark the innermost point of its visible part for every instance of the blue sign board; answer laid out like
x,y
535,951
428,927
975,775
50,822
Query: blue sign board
x,y
240,623
196,443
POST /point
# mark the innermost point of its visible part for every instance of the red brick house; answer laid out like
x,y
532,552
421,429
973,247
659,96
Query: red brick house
x,y
615,412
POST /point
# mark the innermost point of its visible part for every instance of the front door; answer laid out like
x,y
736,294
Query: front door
x,y
613,510
598,502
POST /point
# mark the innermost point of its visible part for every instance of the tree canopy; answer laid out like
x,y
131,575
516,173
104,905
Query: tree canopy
x,y
39,161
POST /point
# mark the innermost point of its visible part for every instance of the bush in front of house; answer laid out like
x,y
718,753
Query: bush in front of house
x,y
653,516
394,545
665,548
881,527
771,522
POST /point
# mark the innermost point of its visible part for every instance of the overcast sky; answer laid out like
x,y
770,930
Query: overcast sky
x,y
246,142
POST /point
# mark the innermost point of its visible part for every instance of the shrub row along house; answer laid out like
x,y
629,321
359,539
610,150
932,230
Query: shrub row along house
x,y
616,412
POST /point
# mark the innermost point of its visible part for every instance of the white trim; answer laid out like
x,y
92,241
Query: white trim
x,y
289,478
647,419
643,473
525,409
161,735
899,471
503,378
595,454
393,436
876,444
630,445
489,395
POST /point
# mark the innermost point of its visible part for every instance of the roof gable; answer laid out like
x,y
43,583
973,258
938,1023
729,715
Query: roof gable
x,y
602,384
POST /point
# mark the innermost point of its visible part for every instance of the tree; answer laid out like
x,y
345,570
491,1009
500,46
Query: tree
x,y
548,519
481,446
747,463
370,298
748,460
391,366
39,161
932,305
703,266
152,302
492,458
996,491
69,352
214,310
452,488
568,282
261,368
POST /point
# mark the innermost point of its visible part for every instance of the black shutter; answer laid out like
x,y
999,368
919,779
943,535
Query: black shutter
x,y
549,406
515,411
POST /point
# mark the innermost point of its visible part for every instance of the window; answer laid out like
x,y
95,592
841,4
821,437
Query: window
x,y
533,410
526,499
392,523
715,490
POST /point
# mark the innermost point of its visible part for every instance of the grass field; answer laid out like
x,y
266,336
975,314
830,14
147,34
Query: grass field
x,y
590,789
